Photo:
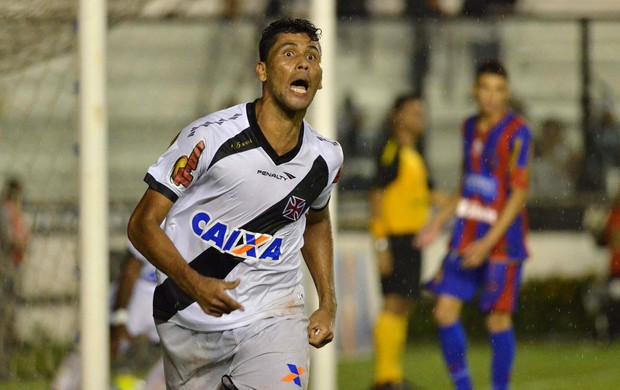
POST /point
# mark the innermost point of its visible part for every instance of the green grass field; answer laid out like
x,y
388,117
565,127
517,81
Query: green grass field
x,y
539,366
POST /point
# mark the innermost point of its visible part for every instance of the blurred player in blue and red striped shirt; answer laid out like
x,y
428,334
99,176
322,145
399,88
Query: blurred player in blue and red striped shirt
x,y
487,246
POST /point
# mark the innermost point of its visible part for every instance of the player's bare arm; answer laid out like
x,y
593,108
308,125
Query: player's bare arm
x,y
318,252
145,233
127,279
431,230
478,251
439,198
382,249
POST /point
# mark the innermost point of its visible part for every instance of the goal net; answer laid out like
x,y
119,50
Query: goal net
x,y
38,145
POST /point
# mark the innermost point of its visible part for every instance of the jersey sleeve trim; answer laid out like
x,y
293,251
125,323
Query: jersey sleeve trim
x,y
162,189
322,207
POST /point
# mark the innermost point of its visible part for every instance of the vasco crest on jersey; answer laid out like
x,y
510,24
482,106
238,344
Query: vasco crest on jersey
x,y
295,208
185,165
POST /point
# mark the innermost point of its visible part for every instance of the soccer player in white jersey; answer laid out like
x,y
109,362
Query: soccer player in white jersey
x,y
242,194
131,317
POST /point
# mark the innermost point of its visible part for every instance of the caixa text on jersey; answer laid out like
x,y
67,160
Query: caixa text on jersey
x,y
237,242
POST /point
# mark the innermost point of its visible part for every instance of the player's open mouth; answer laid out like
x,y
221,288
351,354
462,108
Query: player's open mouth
x,y
300,86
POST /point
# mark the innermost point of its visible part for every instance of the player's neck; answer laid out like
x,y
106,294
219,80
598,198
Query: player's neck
x,y
406,139
280,129
486,121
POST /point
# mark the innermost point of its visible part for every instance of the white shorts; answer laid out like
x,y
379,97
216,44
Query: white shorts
x,y
272,353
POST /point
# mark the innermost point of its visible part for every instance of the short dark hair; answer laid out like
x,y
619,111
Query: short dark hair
x,y
12,186
493,67
400,101
285,26
12,183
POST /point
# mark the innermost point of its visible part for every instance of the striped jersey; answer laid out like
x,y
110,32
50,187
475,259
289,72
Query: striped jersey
x,y
494,164
239,212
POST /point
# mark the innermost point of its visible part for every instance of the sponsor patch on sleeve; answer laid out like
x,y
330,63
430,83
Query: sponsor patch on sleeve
x,y
185,165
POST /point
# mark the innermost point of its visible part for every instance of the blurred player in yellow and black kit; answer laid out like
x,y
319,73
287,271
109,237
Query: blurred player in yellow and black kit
x,y
400,204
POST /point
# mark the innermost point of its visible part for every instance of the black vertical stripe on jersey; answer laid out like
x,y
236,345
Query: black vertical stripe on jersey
x,y
169,298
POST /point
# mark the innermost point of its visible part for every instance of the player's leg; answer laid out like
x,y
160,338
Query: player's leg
x,y
499,298
453,286
390,338
453,340
273,353
7,312
399,288
228,383
503,349
195,360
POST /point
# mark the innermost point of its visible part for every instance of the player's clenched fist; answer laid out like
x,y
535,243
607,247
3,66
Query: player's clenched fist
x,y
321,328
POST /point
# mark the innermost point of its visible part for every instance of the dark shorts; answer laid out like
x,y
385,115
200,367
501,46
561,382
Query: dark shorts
x,y
498,283
407,264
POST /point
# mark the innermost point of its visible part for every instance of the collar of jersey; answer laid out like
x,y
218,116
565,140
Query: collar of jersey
x,y
497,126
262,141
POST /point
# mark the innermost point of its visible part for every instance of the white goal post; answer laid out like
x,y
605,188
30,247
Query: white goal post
x,y
93,234
94,245
323,14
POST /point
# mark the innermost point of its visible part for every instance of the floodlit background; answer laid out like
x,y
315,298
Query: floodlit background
x,y
172,61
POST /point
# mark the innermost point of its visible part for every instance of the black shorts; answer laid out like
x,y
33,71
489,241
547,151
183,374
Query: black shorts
x,y
406,267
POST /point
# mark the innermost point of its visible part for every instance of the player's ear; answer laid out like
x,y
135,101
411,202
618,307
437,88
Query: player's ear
x,y
261,71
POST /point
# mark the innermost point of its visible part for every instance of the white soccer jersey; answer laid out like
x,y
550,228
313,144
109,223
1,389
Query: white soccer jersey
x,y
240,212
140,305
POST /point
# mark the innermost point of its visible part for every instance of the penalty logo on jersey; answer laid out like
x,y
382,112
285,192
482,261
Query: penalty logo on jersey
x,y
237,242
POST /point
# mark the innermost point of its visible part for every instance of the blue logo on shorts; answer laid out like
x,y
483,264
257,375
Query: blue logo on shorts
x,y
294,375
